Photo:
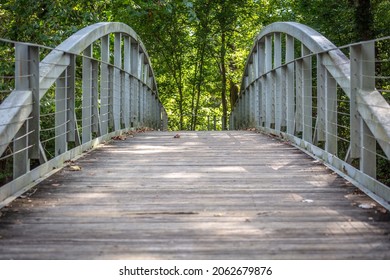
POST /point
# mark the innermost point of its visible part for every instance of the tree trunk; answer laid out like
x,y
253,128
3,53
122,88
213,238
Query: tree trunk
x,y
364,20
224,79
199,83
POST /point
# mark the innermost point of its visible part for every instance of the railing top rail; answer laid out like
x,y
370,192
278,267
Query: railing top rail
x,y
79,41
314,40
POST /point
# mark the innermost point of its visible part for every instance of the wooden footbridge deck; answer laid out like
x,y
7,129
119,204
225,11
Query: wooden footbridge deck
x,y
205,195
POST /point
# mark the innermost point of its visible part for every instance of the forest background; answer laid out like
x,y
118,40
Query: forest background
x,y
198,48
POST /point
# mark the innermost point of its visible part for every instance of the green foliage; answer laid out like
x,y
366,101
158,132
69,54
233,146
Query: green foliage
x,y
49,22
198,47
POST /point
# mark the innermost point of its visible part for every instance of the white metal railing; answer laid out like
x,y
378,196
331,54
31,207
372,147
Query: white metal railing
x,y
329,101
96,84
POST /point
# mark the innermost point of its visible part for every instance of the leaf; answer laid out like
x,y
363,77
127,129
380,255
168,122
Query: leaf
x,y
367,206
74,168
119,137
308,201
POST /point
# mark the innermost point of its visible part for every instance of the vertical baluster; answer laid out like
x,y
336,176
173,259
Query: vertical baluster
x,y
290,99
307,95
87,95
320,99
117,96
330,113
127,68
278,81
246,108
249,91
147,95
141,92
20,159
268,82
26,141
263,83
60,115
355,85
134,83
34,122
298,95
96,125
72,132
111,97
362,80
104,84
258,88
256,93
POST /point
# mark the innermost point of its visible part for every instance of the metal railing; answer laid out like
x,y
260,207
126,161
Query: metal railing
x,y
96,84
332,102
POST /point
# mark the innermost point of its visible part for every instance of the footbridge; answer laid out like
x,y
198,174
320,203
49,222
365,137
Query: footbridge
x,y
89,170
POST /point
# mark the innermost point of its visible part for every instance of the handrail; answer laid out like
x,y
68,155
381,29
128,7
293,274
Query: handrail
x,y
300,97
95,98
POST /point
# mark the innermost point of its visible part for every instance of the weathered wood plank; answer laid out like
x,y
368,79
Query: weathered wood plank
x,y
205,195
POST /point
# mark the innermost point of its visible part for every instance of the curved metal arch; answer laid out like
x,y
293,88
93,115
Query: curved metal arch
x,y
57,60
336,62
19,104
314,40
338,65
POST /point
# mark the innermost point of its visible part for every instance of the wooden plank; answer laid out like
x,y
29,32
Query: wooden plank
x,y
205,195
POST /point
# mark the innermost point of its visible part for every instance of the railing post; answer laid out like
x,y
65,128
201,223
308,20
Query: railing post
x,y
96,125
126,85
278,81
21,161
141,92
104,84
298,95
263,83
250,91
247,109
256,93
134,84
320,135
117,96
26,141
111,96
268,82
60,115
363,143
87,95
355,128
123,104
239,111
147,99
290,100
330,113
72,132
34,122
259,85
307,95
